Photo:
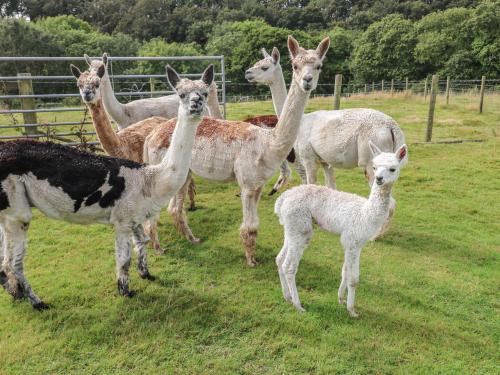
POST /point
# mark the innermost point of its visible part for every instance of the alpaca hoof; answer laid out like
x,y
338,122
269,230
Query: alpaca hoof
x,y
252,262
353,313
129,294
160,250
299,308
273,190
195,240
147,276
41,306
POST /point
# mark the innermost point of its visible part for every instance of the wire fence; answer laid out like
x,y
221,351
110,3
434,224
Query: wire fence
x,y
37,101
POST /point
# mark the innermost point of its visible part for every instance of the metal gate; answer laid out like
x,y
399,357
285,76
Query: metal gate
x,y
47,105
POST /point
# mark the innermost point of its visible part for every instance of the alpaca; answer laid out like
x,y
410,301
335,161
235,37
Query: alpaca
x,y
235,150
331,139
354,218
127,114
80,187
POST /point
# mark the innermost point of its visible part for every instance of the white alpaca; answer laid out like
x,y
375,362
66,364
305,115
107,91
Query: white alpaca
x,y
80,187
164,106
329,138
356,219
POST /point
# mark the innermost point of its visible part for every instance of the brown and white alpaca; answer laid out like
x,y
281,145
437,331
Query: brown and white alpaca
x,y
331,139
234,150
130,113
84,188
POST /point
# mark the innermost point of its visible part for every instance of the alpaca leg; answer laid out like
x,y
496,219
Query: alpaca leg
x,y
301,171
17,285
296,243
192,195
343,284
280,259
352,259
311,171
329,176
284,177
176,209
249,227
151,228
141,240
123,247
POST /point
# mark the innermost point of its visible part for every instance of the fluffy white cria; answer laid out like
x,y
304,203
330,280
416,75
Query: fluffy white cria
x,y
354,218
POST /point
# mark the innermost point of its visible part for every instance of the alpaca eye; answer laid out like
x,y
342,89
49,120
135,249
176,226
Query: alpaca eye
x,y
392,170
205,94
97,86
182,96
318,67
264,68
295,66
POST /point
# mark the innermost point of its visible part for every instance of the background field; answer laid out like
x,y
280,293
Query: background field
x,y
428,295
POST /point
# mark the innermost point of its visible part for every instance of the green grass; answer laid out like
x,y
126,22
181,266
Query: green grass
x,y
428,295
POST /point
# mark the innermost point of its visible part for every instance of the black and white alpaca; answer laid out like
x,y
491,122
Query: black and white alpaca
x,y
80,187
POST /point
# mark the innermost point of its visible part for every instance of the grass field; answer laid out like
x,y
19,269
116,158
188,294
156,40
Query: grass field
x,y
428,295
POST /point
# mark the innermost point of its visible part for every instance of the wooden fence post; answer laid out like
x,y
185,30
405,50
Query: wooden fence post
x,y
366,88
337,90
152,85
382,86
483,82
447,90
373,86
25,87
406,85
432,105
425,88
392,86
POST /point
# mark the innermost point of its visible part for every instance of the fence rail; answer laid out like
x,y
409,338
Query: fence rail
x,y
29,103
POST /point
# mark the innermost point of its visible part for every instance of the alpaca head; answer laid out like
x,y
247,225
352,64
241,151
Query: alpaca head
x,y
386,165
88,83
192,94
307,63
264,71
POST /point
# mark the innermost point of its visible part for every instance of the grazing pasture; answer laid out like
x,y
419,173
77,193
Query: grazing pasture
x,y
428,293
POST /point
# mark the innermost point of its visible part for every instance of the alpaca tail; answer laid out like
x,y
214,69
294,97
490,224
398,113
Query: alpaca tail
x,y
398,139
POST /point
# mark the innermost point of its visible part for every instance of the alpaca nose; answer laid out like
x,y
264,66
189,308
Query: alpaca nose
x,y
379,180
87,94
248,74
308,78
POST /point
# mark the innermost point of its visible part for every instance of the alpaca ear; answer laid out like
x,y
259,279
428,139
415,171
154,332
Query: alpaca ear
x,y
293,46
322,48
76,72
402,152
374,149
87,59
264,53
275,55
105,59
172,76
208,75
101,70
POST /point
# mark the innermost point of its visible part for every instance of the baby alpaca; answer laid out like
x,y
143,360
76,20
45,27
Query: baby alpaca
x,y
356,219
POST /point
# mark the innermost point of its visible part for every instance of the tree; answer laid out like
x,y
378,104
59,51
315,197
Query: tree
x,y
385,50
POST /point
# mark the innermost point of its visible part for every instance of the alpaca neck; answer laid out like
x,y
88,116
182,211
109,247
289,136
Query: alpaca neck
x,y
172,171
112,105
278,91
105,132
378,202
213,102
287,128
